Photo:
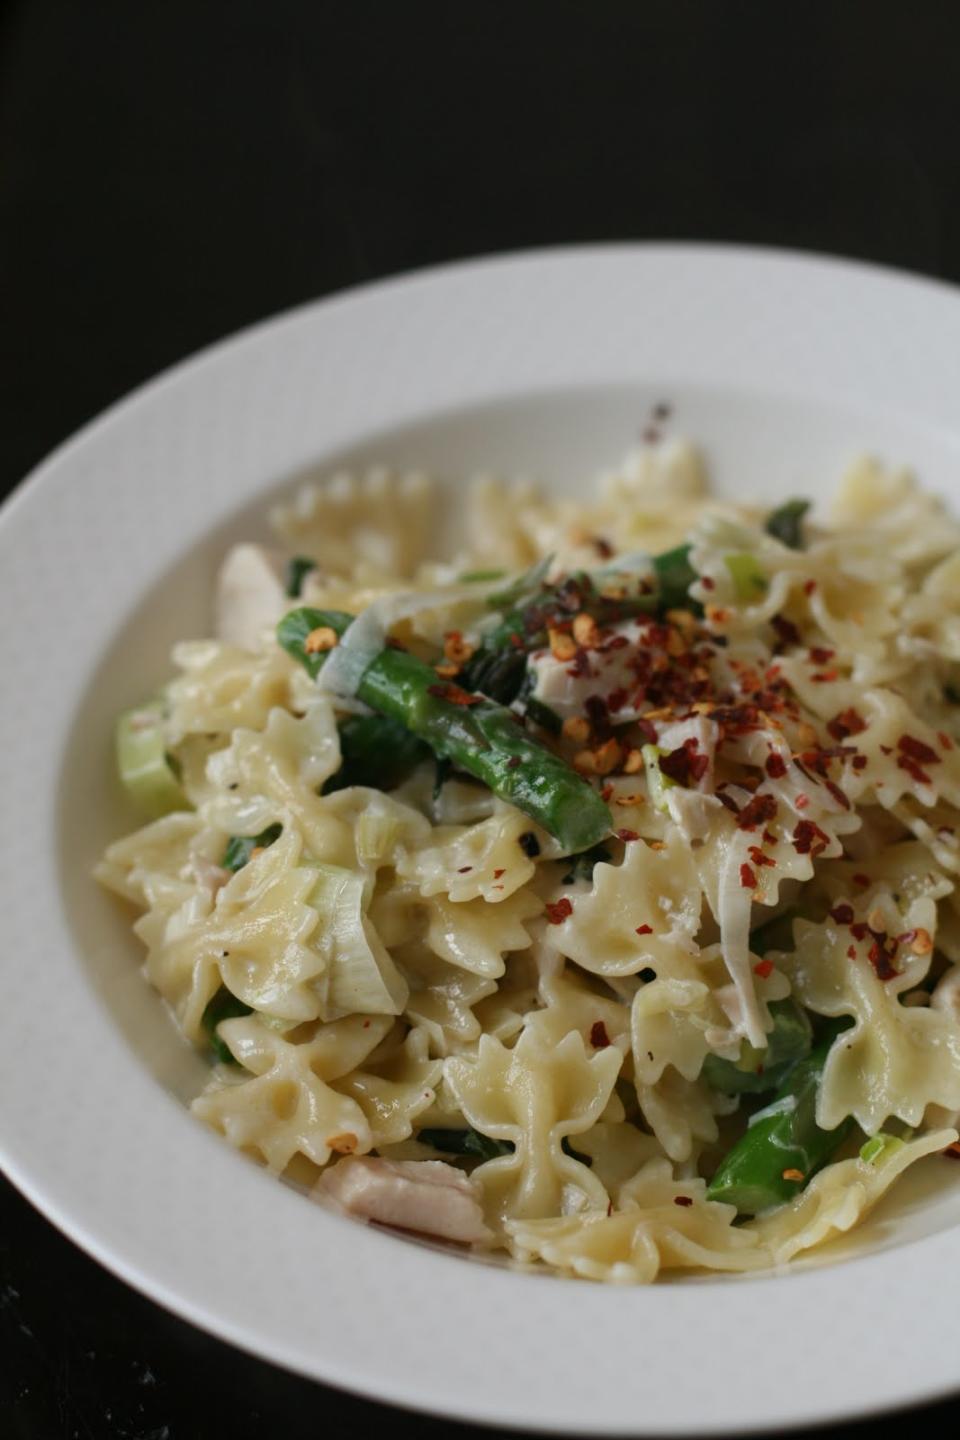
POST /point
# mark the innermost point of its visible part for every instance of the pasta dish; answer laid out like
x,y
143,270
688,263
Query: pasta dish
x,y
589,895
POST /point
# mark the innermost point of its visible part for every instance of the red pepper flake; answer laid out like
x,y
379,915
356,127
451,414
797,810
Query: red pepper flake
x,y
775,766
802,801
859,930
648,730
846,723
837,794
917,750
886,749
683,1200
862,880
851,952
599,1038
685,765
809,587
606,793
880,957
616,701
497,874
763,968
559,910
464,869
825,677
786,632
728,801
809,839
842,914
758,857
819,656
757,812
707,583
945,740
859,762
907,938
747,878
904,762
627,835
644,929
454,695
952,1152
768,838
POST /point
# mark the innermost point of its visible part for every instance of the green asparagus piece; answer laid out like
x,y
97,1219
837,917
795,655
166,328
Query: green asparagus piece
x,y
298,568
756,1071
786,523
784,1146
223,1006
465,1142
675,575
241,847
477,735
377,752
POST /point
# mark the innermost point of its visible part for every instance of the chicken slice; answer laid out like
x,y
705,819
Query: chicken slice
x,y
427,1196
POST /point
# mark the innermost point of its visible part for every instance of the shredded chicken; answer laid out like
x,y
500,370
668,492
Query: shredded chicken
x,y
251,597
427,1196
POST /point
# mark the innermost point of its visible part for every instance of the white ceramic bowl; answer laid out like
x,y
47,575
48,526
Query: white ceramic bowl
x,y
783,367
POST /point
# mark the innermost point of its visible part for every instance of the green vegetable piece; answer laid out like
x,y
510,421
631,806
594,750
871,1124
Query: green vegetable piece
x,y
241,847
783,1142
749,578
543,716
441,775
297,571
471,576
145,769
223,1006
880,1147
581,866
756,1071
497,673
675,575
377,752
786,523
479,736
465,1142
657,783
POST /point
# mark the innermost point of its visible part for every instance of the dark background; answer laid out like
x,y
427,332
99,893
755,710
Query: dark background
x,y
171,170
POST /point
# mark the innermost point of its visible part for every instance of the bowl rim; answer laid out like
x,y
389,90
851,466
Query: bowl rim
x,y
129,1209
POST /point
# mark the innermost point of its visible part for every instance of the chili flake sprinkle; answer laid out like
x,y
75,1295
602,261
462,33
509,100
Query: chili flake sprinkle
x,y
454,695
599,1038
748,878
644,929
791,1173
775,766
763,968
559,910
842,914
683,1200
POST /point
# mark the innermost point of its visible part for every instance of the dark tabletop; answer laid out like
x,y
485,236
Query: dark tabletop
x,y
173,169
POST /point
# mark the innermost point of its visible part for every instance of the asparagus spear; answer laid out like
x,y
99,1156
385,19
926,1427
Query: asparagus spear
x,y
786,523
377,752
477,735
757,1071
784,1146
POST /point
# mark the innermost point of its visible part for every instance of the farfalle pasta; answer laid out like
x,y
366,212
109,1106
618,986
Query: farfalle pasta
x,y
588,895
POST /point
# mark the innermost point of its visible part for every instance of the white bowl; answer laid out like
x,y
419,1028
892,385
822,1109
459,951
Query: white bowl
x,y
783,367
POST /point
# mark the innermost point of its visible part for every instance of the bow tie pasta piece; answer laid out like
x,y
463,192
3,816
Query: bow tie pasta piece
x,y
617,1150
664,1224
257,940
161,865
534,1096
682,1113
396,1084
382,826
476,935
903,521
571,1003
636,914
442,998
490,860
275,775
222,688
839,1197
374,523
289,1107
897,1059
